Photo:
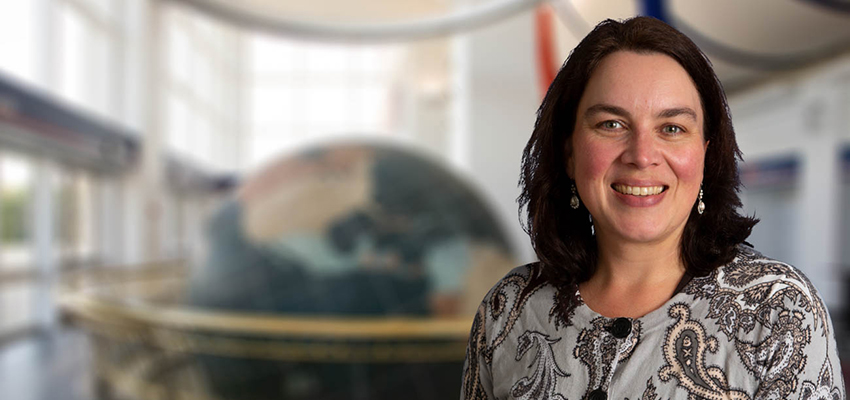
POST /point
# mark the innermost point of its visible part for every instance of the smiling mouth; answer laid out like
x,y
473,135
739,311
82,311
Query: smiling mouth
x,y
638,190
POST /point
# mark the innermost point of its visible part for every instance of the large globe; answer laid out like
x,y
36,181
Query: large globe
x,y
349,230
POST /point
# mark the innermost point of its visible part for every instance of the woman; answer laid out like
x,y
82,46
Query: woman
x,y
644,288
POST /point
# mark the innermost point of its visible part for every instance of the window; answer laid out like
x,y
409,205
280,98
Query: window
x,y
16,305
16,248
74,216
17,39
201,63
89,35
301,91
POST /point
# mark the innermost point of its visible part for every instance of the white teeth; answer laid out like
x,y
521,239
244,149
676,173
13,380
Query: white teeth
x,y
639,190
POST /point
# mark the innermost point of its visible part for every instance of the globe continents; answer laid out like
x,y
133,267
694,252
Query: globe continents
x,y
341,231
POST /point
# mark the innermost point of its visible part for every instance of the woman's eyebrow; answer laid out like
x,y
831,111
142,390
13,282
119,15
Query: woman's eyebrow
x,y
619,111
674,112
605,108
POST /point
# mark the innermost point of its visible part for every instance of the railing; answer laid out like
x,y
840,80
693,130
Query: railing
x,y
148,345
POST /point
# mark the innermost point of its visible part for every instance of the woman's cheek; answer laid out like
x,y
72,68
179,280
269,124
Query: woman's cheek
x,y
597,161
689,165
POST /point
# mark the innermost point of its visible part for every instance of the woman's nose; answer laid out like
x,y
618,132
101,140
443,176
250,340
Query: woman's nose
x,y
642,150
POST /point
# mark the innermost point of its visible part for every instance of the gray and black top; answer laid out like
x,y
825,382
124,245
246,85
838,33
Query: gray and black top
x,y
753,329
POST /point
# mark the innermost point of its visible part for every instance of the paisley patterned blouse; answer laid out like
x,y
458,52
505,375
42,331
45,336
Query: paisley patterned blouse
x,y
753,329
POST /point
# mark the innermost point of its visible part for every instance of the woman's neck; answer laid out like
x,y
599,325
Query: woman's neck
x,y
633,264
632,279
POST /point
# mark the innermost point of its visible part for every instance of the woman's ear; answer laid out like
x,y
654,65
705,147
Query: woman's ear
x,y
568,159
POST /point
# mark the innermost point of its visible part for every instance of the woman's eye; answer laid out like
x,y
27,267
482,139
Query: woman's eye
x,y
611,125
672,130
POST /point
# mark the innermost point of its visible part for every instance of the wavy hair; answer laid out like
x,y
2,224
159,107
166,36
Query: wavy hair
x,y
560,235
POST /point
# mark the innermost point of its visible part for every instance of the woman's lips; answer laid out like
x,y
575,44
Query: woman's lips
x,y
639,196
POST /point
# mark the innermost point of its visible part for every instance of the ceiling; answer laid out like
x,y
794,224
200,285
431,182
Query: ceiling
x,y
746,40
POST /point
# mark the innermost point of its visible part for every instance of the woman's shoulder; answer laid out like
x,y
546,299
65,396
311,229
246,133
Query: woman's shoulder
x,y
750,268
512,293
753,280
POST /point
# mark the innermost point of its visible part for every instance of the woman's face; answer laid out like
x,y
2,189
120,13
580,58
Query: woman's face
x,y
637,152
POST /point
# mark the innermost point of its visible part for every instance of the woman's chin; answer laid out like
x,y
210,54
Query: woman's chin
x,y
641,232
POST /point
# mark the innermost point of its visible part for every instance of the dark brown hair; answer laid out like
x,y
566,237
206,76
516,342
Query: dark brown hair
x,y
561,236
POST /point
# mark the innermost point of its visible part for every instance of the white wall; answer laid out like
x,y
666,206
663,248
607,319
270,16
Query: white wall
x,y
497,97
804,115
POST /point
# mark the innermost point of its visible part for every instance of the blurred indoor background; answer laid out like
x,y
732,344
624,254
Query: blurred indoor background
x,y
135,135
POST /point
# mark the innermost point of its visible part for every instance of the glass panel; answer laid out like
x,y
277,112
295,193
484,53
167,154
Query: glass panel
x,y
178,128
201,146
271,104
72,54
329,106
179,54
300,107
86,65
374,107
268,141
17,40
73,217
16,305
66,223
204,80
270,55
314,90
99,74
15,194
84,211
376,61
102,9
198,100
328,59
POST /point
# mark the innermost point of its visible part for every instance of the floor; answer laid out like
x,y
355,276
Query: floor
x,y
46,366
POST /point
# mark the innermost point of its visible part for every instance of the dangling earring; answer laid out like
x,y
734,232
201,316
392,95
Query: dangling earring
x,y
592,228
574,200
700,204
